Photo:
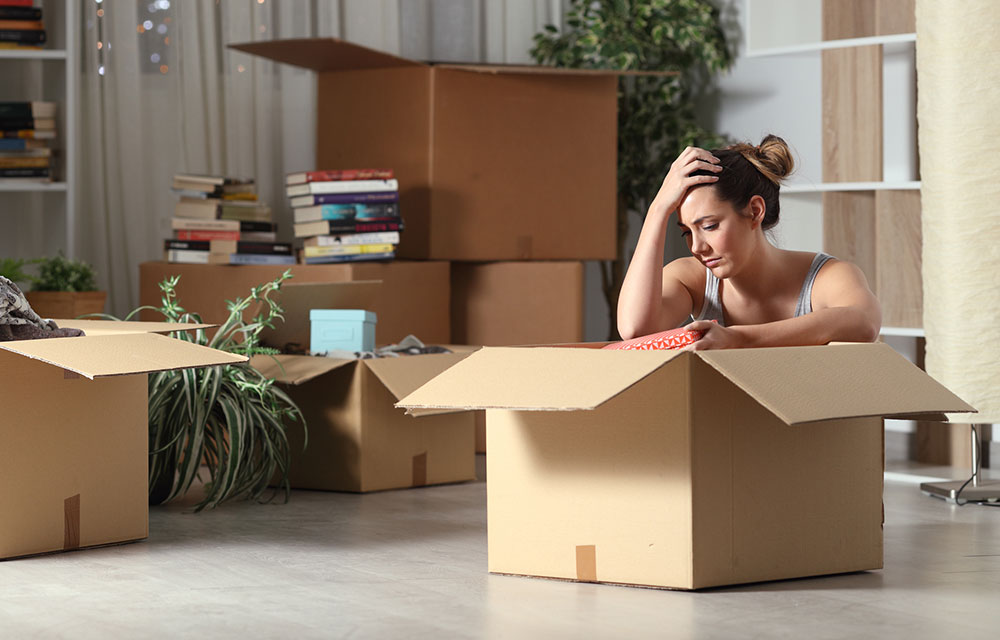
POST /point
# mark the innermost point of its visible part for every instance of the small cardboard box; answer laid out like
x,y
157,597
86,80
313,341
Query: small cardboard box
x,y
74,440
413,297
494,162
516,303
358,440
686,469
341,329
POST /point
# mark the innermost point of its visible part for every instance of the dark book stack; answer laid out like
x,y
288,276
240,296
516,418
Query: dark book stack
x,y
219,220
21,25
345,215
26,132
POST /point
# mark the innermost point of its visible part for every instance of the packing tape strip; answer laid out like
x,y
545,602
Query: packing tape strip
x,y
420,470
71,514
586,563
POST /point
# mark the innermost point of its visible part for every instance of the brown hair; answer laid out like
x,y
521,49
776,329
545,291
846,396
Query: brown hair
x,y
749,171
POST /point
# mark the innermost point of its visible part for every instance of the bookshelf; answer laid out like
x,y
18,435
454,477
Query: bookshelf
x,y
48,223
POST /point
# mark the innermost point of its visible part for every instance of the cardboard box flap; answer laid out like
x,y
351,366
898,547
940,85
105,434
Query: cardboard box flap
x,y
324,54
405,374
807,384
537,379
296,369
121,354
545,70
112,327
297,299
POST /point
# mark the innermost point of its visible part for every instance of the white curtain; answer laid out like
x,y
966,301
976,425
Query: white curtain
x,y
161,94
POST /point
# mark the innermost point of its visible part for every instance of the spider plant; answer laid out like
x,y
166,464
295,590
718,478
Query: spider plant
x,y
229,418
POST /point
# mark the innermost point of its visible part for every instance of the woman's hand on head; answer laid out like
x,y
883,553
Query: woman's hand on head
x,y
679,179
713,336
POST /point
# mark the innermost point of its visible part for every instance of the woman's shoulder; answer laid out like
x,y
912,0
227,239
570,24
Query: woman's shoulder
x,y
688,270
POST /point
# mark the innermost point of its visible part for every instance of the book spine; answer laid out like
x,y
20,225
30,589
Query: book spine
x,y
345,198
23,36
358,257
186,257
337,228
20,13
343,186
258,236
14,124
207,235
21,25
15,110
203,224
14,163
36,172
387,237
347,249
268,248
346,174
254,258
187,245
258,225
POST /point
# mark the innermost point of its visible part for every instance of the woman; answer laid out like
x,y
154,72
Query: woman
x,y
759,295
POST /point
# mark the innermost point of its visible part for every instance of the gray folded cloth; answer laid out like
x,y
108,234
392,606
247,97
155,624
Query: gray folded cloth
x,y
408,346
18,321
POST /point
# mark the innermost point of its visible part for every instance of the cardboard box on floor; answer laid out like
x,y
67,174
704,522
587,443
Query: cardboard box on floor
x,y
493,162
516,303
74,440
358,440
413,297
686,469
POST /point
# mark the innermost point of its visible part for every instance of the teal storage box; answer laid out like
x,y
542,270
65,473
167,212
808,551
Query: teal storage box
x,y
342,329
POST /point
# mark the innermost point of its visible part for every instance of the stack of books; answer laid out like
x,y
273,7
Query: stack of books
x,y
345,215
219,220
25,131
21,25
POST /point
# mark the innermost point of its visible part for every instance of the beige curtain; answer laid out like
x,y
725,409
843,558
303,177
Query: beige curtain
x,y
212,110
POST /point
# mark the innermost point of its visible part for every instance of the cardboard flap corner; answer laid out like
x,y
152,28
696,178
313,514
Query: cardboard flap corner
x,y
295,370
405,374
100,356
297,299
536,379
323,54
810,384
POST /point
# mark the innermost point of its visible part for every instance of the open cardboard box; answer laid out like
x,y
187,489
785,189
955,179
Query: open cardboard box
x,y
358,440
686,469
494,162
74,441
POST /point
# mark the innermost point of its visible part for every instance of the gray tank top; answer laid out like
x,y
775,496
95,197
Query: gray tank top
x,y
711,308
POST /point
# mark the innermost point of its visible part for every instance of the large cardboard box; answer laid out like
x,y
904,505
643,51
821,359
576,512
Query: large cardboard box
x,y
74,439
512,303
685,469
493,162
358,440
413,297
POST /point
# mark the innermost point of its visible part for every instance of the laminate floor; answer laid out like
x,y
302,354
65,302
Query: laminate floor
x,y
412,564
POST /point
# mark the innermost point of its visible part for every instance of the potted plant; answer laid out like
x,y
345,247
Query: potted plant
x,y
657,115
13,270
64,288
231,419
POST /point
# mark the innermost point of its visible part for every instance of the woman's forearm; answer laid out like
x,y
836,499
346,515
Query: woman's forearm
x,y
640,300
834,324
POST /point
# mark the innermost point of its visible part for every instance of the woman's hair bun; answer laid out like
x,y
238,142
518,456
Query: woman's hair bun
x,y
771,157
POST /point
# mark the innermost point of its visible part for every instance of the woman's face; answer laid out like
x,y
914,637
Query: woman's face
x,y
719,236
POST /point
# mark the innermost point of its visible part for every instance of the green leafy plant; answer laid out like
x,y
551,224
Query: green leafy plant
x,y
231,418
13,269
62,274
657,115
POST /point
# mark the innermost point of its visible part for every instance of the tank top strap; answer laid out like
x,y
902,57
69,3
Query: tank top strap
x,y
711,307
804,304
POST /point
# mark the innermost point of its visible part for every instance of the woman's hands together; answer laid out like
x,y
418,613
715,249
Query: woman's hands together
x,y
679,179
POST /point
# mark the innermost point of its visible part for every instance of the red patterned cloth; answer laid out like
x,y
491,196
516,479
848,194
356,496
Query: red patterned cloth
x,y
673,339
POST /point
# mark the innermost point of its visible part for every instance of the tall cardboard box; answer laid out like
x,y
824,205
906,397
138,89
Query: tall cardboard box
x,y
494,162
413,297
512,303
686,469
358,440
74,440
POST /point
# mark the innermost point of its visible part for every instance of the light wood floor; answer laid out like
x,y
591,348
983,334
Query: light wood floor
x,y
412,564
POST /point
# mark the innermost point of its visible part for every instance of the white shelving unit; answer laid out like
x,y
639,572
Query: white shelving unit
x,y
49,74
852,186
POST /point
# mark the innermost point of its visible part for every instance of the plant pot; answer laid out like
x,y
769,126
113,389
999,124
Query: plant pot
x,y
66,304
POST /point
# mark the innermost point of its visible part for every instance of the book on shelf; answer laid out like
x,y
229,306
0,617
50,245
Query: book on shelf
x,y
34,109
207,234
21,144
18,124
8,24
341,186
344,198
23,36
218,186
338,227
354,211
201,224
188,256
340,174
39,173
32,134
17,3
20,12
346,250
7,162
357,257
229,210
229,246
377,237
207,208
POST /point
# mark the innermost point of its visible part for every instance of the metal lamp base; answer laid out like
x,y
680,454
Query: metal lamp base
x,y
987,492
